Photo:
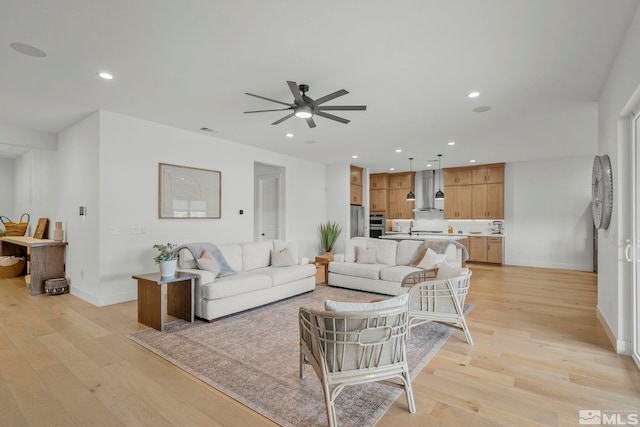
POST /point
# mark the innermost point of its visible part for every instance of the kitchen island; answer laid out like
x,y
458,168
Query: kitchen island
x,y
406,236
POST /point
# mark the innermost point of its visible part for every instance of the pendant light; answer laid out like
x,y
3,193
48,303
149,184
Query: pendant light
x,y
410,195
439,193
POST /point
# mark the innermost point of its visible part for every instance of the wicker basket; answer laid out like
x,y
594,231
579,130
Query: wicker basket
x,y
12,270
15,228
56,286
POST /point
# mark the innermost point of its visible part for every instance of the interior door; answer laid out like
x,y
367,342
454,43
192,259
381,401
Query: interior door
x,y
633,250
267,207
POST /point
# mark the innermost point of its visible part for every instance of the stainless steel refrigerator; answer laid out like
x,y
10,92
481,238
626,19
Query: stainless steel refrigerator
x,y
357,221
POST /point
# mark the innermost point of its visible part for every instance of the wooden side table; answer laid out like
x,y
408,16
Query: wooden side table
x,y
322,270
152,289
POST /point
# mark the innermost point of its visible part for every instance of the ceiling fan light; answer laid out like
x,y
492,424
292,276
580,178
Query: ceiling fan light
x,y
303,112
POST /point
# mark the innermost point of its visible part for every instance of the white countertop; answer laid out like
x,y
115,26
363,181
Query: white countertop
x,y
435,236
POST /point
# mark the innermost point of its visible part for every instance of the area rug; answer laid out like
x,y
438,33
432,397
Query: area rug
x,y
253,357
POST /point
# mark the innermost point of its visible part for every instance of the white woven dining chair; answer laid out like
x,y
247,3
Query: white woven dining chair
x,y
439,300
347,348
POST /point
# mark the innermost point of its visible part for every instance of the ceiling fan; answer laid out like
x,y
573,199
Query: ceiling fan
x,y
305,107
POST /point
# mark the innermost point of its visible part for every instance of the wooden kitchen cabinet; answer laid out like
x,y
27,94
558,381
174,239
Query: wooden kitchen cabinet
x,y
378,201
478,248
494,250
457,177
457,202
399,207
356,185
487,201
379,181
485,249
401,180
488,174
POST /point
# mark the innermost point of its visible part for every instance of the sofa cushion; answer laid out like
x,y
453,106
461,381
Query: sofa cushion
x,y
431,260
279,245
398,301
406,250
350,249
233,255
397,273
365,255
240,283
281,276
186,259
209,263
256,255
448,270
369,271
385,250
282,258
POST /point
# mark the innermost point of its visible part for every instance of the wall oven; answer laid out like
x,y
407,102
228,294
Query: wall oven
x,y
377,225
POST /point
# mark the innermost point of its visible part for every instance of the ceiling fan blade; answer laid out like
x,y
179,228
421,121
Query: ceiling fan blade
x,y
268,99
332,117
343,108
310,122
288,116
329,97
264,111
293,87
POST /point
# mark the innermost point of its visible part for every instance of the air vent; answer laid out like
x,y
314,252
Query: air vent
x,y
206,129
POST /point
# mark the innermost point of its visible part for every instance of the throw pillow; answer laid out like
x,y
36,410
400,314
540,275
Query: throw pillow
x,y
365,255
292,246
209,263
350,249
401,300
283,258
447,271
431,260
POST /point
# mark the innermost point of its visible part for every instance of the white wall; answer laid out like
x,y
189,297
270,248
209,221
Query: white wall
x,y
614,273
548,214
7,189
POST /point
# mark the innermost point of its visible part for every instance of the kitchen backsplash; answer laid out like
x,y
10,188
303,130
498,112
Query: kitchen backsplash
x,y
465,226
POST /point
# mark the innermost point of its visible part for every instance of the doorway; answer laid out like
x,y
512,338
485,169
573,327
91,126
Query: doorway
x,y
268,202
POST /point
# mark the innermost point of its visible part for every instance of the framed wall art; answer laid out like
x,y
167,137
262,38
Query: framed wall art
x,y
188,193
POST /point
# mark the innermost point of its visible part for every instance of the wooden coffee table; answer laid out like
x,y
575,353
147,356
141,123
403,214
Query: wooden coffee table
x,y
152,288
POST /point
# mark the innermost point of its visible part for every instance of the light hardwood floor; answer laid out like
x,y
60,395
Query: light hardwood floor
x,y
540,355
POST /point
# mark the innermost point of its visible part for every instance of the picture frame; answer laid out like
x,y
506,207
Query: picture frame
x,y
188,193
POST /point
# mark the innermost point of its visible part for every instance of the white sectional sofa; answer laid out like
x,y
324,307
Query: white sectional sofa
x,y
255,283
393,260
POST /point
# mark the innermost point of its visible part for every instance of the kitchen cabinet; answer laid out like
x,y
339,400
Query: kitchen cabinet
x,y
457,202
399,207
402,180
482,196
487,174
379,181
457,177
356,185
378,193
487,201
485,249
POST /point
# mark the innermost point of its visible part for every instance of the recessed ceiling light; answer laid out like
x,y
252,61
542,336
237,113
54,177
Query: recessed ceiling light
x,y
398,150
392,169
472,161
482,109
354,157
28,50
289,135
451,143
473,94
428,165
105,75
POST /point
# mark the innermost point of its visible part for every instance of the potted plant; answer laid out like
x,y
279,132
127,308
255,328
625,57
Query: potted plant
x,y
329,233
167,258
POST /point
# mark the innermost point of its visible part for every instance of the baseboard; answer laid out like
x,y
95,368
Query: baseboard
x,y
86,296
557,266
620,346
101,301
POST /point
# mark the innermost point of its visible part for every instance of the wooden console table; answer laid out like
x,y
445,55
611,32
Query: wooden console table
x,y
45,259
152,289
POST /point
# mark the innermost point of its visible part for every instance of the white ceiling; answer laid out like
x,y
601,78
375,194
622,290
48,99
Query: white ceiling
x,y
538,63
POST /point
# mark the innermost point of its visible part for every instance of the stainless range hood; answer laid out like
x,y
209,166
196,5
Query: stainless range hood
x,y
425,192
